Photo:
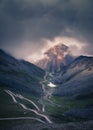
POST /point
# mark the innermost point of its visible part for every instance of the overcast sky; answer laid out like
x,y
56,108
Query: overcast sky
x,y
28,27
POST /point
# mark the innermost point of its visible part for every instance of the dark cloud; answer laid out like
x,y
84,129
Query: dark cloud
x,y
32,20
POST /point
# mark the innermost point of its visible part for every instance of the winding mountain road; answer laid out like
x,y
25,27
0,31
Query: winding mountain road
x,y
39,112
36,111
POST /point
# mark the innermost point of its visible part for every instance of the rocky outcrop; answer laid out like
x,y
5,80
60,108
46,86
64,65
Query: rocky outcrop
x,y
55,58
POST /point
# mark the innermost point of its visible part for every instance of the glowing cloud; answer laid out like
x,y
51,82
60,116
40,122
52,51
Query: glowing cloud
x,y
75,47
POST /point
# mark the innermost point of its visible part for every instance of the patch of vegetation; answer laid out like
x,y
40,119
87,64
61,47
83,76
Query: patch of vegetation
x,y
63,104
10,109
7,123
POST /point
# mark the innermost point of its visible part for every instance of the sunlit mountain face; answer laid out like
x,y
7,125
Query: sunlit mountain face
x,y
55,58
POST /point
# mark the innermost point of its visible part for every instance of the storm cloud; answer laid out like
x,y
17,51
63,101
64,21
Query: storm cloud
x,y
34,20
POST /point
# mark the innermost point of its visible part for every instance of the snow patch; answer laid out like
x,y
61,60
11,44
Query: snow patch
x,y
51,85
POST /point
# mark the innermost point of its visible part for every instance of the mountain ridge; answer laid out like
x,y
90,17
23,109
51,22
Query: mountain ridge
x,y
19,74
79,73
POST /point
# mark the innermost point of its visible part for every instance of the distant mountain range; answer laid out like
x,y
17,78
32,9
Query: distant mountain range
x,y
55,58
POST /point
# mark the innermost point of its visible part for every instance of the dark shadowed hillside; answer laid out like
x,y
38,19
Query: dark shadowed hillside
x,y
19,75
75,83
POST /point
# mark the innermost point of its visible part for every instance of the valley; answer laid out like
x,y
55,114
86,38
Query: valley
x,y
31,96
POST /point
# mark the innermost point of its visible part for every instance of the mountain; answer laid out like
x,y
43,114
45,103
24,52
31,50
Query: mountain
x,y
55,58
76,78
19,75
74,88
25,95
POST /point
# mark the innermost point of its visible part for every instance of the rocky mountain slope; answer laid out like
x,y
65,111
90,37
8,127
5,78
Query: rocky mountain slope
x,y
55,58
76,78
